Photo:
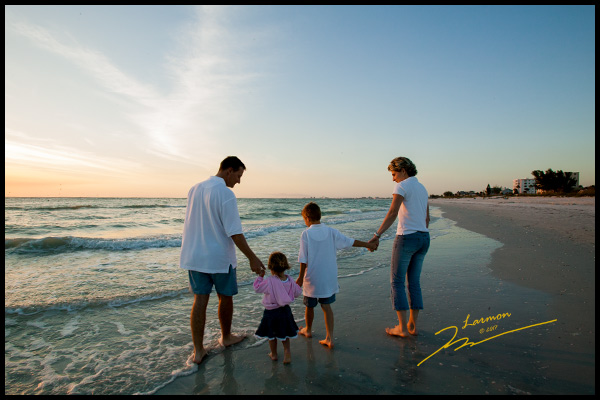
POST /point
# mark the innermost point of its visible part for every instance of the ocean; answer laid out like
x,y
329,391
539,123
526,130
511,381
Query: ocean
x,y
95,301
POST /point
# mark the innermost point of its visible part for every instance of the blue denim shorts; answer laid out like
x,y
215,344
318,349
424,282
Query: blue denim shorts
x,y
225,283
311,302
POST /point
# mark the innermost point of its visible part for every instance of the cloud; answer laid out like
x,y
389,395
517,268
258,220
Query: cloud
x,y
93,62
184,122
64,159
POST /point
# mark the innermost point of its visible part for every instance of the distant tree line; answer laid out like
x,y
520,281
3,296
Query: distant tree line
x,y
551,181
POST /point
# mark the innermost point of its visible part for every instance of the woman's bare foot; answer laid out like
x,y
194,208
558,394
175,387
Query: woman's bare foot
x,y
327,342
397,331
412,329
231,339
273,356
305,332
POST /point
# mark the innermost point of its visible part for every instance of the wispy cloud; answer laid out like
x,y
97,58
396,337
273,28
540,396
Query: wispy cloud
x,y
95,63
44,153
205,71
32,155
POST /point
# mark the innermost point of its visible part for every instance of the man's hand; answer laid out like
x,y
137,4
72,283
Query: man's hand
x,y
257,267
255,264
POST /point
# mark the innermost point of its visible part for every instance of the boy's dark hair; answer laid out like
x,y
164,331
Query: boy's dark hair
x,y
278,262
312,212
231,162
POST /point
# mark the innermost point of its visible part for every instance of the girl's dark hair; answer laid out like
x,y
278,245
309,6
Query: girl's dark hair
x,y
278,262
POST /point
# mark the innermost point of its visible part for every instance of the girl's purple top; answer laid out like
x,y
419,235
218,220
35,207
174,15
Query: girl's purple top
x,y
278,293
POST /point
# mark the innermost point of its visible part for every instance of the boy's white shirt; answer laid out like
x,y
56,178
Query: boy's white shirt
x,y
318,247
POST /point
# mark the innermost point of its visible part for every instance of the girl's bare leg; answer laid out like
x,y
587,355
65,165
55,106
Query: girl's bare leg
x,y
287,355
273,347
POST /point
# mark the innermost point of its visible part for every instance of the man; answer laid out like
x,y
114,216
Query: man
x,y
212,226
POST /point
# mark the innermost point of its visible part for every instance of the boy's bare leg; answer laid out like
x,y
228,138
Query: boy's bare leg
x,y
412,322
328,314
197,322
287,355
225,318
309,316
400,329
273,347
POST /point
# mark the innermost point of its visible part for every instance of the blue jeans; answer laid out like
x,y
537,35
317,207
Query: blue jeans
x,y
407,261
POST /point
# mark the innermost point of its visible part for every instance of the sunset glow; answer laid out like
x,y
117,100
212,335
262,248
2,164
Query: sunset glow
x,y
147,100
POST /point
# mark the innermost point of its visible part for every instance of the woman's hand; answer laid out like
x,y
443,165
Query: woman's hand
x,y
374,240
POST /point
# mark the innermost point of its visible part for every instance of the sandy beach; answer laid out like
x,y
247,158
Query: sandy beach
x,y
529,262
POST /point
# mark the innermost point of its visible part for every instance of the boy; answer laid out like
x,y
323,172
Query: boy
x,y
318,267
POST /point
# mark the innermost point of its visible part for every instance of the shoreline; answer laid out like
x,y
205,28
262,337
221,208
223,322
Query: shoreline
x,y
549,245
476,272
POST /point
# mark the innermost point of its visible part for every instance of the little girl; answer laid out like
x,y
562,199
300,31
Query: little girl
x,y
278,322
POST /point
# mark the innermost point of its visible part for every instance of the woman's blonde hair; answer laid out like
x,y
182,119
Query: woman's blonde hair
x,y
399,163
278,262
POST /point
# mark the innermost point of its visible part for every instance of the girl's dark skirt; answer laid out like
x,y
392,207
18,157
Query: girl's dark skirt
x,y
278,324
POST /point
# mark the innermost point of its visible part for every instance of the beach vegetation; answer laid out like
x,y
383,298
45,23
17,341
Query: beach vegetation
x,y
554,182
458,195
588,191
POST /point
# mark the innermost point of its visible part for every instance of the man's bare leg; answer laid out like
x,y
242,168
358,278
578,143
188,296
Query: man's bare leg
x,y
225,318
309,316
197,322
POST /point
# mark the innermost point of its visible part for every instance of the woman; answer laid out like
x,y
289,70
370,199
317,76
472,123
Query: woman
x,y
409,204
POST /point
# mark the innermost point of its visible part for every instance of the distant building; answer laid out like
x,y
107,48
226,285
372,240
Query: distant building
x,y
576,176
528,185
524,186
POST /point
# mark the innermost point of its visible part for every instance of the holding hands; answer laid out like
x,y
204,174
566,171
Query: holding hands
x,y
372,246
257,267
374,242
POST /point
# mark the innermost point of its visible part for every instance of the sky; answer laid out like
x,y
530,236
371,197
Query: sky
x,y
145,101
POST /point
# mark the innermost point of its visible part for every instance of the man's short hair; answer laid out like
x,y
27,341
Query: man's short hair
x,y
232,162
312,212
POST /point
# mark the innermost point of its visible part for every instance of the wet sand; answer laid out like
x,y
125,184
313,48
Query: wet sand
x,y
535,262
549,245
